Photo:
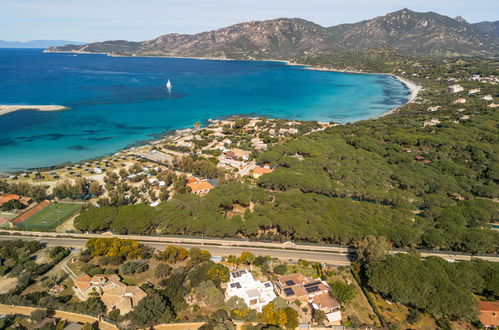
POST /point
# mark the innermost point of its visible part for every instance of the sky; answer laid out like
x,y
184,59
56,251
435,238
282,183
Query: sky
x,y
99,20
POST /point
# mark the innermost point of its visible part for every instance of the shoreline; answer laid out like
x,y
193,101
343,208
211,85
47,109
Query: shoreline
x,y
414,90
5,109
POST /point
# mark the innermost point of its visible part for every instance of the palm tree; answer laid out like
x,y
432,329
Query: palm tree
x,y
197,125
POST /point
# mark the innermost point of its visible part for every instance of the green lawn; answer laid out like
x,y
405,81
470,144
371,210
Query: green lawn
x,y
50,217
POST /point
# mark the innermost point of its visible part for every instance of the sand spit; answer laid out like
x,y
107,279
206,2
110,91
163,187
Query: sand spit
x,y
5,109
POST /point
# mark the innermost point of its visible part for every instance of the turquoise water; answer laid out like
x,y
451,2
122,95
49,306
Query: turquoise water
x,y
116,102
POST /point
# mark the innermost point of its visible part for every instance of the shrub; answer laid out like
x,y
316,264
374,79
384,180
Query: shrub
x,y
133,267
345,293
280,269
162,270
39,314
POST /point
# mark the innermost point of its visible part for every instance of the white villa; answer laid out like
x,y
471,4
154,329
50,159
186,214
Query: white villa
x,y
255,293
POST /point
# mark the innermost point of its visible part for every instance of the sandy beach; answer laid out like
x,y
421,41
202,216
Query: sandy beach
x,y
5,109
413,88
414,91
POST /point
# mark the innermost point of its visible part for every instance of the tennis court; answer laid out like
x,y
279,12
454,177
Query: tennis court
x,y
50,217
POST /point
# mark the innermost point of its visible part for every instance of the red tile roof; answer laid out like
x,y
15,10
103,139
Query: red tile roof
x,y
489,313
262,170
8,198
325,301
200,186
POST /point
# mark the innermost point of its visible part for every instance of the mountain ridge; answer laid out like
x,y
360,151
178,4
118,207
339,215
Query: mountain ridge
x,y
291,38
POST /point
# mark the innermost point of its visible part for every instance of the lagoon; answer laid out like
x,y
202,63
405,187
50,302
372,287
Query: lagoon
x,y
115,102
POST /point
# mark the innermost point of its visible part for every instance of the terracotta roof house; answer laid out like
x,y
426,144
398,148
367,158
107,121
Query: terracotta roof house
x,y
259,171
330,306
87,286
56,289
124,298
229,155
489,313
237,153
7,198
297,287
200,187
113,293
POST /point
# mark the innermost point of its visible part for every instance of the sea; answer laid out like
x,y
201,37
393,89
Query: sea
x,y
117,102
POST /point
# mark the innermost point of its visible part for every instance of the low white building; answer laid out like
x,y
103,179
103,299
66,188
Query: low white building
x,y
431,122
255,294
455,89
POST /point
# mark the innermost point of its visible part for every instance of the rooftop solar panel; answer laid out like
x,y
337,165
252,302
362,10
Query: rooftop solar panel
x,y
289,292
312,284
290,282
238,273
312,289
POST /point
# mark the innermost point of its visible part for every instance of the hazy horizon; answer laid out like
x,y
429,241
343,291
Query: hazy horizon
x,y
98,20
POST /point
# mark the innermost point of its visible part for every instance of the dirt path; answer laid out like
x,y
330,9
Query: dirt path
x,y
73,317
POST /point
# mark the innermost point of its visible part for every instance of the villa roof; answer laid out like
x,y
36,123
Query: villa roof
x,y
262,170
325,301
200,186
82,285
123,298
297,286
240,152
8,198
489,306
84,278
296,278
489,313
85,281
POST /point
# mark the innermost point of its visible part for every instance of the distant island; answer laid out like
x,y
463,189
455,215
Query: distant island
x,y
37,43
5,109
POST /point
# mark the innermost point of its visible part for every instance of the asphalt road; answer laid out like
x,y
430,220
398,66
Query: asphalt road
x,y
334,254
336,259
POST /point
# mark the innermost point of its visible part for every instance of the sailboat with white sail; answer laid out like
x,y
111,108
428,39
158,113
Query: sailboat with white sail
x,y
169,85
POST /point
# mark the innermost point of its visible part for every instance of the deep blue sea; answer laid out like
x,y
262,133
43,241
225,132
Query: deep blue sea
x,y
118,101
